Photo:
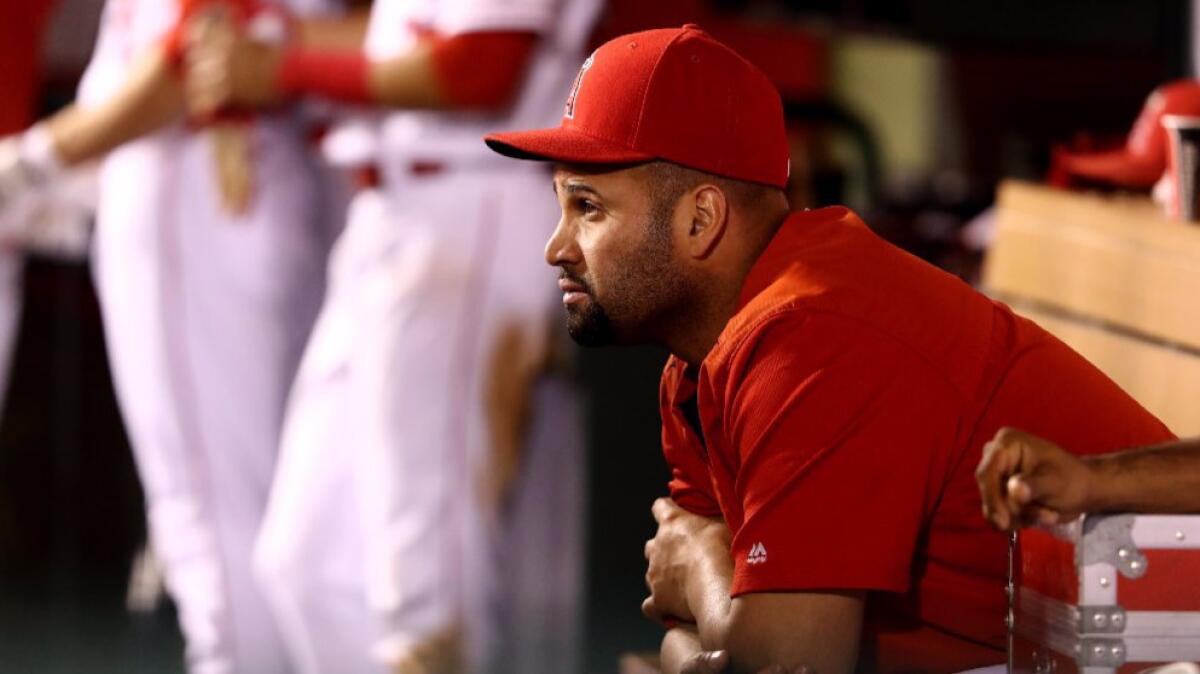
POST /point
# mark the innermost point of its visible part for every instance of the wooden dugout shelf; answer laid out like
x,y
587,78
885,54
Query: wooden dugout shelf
x,y
1112,277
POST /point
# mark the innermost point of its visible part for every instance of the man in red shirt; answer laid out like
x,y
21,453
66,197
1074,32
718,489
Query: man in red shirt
x,y
828,396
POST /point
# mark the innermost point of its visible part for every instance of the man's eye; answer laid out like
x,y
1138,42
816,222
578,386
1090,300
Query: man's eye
x,y
588,207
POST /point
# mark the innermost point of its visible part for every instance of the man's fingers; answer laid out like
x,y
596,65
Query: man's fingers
x,y
207,84
1018,499
650,610
1021,491
1047,517
999,459
648,549
708,662
662,509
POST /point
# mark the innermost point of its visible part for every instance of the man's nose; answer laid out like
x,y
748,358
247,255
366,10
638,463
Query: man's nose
x,y
561,249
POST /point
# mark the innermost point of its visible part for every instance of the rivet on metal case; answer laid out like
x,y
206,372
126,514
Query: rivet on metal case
x,y
1100,619
1101,653
1109,539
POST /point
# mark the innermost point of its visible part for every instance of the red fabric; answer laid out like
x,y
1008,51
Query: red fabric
x,y
482,70
844,409
338,75
674,94
22,25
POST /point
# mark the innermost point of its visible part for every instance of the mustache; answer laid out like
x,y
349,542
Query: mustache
x,y
566,275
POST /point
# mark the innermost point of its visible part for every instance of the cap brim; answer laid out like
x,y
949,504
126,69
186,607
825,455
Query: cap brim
x,y
1117,167
562,145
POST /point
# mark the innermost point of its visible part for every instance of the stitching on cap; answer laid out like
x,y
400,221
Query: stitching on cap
x,y
637,130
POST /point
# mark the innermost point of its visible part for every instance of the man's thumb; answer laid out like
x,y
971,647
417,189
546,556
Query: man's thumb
x,y
1021,489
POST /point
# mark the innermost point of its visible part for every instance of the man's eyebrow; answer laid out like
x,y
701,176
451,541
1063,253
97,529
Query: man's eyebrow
x,y
580,188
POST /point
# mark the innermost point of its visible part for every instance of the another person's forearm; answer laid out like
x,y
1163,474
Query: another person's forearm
x,y
409,81
1163,479
347,31
151,98
473,71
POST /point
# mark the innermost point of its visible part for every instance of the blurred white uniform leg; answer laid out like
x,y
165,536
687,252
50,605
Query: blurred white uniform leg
x,y
205,318
309,554
382,535
382,532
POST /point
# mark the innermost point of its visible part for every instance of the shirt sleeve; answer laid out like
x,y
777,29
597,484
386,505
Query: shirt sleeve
x,y
841,437
463,16
482,70
691,485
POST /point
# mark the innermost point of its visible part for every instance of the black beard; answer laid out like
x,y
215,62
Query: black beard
x,y
644,286
590,326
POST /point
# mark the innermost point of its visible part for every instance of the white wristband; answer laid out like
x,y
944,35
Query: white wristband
x,y
40,155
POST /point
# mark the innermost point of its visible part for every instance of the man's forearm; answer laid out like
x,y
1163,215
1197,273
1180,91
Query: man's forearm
x,y
1163,479
151,98
708,592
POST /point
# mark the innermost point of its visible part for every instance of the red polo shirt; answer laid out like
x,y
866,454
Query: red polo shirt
x,y
844,409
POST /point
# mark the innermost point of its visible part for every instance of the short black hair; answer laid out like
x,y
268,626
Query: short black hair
x,y
671,181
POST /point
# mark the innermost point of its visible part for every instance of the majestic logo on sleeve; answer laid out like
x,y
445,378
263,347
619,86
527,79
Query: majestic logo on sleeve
x,y
569,113
758,554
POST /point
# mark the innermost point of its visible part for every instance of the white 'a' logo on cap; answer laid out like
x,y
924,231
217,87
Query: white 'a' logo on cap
x,y
569,113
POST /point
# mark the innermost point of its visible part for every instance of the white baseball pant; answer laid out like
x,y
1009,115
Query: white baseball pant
x,y
205,316
383,529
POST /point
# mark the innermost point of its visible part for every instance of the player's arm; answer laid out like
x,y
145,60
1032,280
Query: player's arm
x,y
151,98
683,653
473,70
39,158
345,31
1024,479
690,576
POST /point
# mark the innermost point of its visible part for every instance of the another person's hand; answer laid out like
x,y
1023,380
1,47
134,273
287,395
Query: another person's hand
x,y
683,540
226,68
717,662
1024,479
27,173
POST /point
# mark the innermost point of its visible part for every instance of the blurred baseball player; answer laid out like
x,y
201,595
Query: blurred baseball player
x,y
382,541
206,310
828,396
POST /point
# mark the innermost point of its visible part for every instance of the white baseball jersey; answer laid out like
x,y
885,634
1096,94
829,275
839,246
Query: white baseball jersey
x,y
563,27
205,315
379,502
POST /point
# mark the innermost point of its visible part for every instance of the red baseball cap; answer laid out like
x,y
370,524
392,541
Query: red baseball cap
x,y
672,94
1143,158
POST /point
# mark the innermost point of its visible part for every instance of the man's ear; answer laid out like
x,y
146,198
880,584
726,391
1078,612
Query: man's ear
x,y
710,216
